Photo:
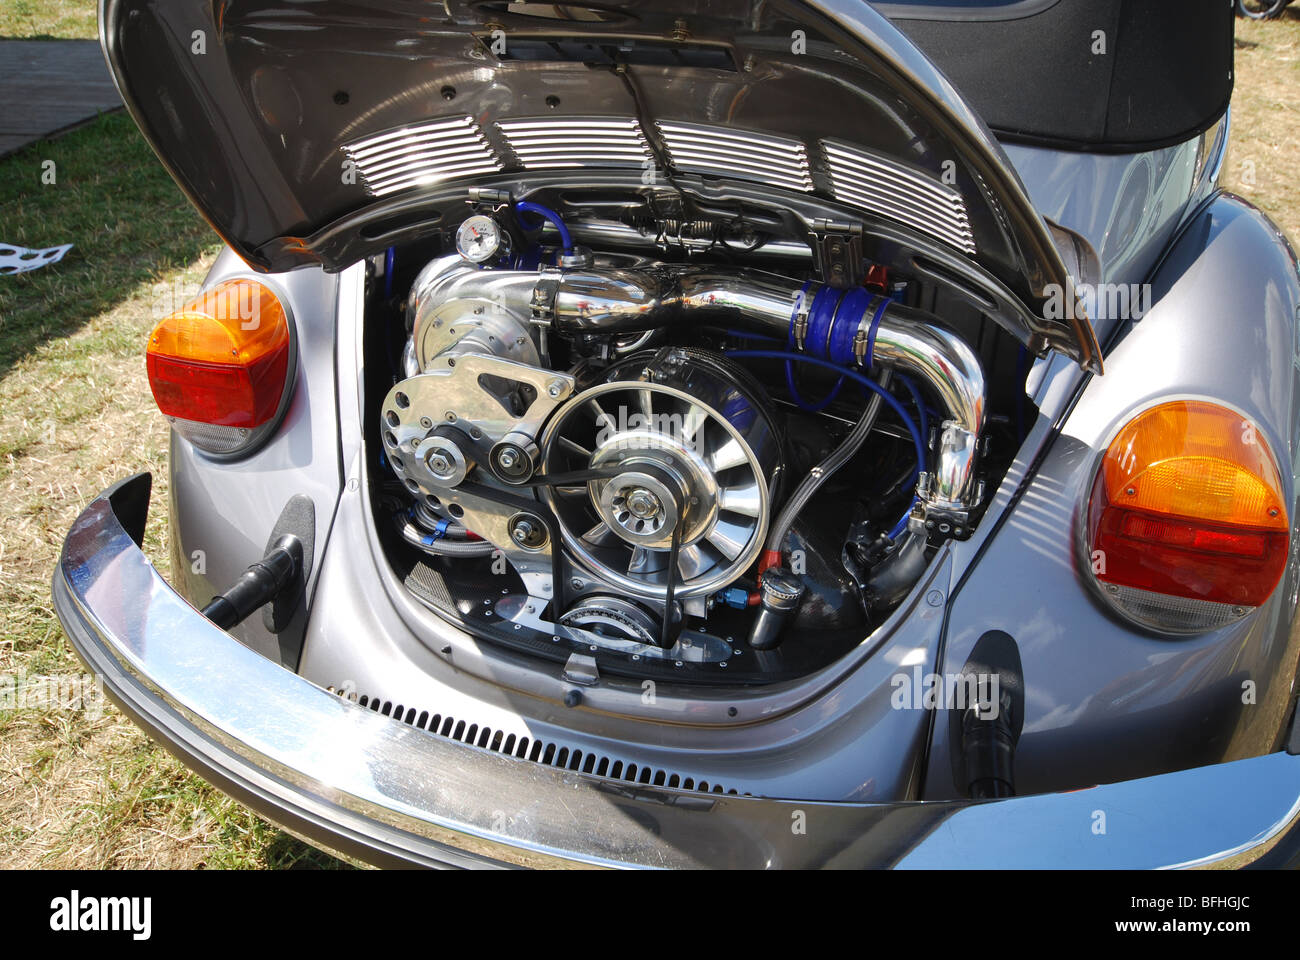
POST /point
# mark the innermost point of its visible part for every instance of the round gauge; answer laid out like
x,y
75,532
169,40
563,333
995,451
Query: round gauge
x,y
479,238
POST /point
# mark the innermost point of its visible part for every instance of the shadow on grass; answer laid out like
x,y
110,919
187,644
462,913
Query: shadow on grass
x,y
287,852
101,189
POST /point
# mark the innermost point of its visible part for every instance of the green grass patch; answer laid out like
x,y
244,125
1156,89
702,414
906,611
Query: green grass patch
x,y
113,200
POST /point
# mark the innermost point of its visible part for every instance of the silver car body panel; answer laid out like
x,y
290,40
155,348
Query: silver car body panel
x,y
1105,701
376,789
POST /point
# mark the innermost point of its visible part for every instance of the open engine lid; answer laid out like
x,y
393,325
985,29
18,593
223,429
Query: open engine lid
x,y
322,131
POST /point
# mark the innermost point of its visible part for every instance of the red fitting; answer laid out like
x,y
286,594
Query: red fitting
x,y
768,558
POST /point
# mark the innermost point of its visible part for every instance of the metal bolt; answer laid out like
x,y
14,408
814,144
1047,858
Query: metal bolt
x,y
643,504
450,416
555,388
507,458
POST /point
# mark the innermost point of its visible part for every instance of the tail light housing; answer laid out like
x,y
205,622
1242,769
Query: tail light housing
x,y
220,366
1187,525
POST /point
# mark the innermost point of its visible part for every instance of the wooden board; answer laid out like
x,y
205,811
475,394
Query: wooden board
x,y
50,86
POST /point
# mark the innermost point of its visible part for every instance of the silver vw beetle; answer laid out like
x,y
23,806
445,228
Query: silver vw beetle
x,y
787,433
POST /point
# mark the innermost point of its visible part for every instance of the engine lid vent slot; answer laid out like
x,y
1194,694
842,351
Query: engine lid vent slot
x,y
894,192
422,153
543,143
738,154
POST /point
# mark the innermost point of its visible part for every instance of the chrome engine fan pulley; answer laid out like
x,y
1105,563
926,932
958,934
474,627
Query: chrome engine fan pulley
x,y
687,449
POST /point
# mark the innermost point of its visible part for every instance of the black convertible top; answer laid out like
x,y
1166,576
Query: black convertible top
x,y
1029,66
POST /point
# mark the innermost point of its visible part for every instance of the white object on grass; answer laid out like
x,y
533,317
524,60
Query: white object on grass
x,y
20,260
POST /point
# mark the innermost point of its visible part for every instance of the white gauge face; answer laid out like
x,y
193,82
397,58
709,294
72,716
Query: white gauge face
x,y
478,239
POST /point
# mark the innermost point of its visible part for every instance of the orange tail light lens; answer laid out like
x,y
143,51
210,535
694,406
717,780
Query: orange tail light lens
x,y
221,361
1188,505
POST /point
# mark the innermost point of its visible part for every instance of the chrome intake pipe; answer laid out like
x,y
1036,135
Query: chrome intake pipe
x,y
850,328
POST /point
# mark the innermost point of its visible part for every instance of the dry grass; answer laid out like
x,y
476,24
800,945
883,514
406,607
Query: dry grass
x,y
47,19
81,790
1265,146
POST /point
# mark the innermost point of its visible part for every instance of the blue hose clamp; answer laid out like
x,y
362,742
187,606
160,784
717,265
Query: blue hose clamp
x,y
848,320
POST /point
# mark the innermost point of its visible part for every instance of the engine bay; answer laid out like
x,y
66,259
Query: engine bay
x,y
704,449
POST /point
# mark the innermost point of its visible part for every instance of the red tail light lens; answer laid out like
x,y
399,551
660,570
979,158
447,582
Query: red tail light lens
x,y
1187,525
219,366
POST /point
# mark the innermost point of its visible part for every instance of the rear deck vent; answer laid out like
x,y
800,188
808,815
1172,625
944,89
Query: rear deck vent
x,y
542,143
737,154
533,750
421,154
897,193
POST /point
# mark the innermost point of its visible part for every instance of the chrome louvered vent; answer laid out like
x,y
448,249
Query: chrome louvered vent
x,y
737,154
422,153
534,750
552,142
894,192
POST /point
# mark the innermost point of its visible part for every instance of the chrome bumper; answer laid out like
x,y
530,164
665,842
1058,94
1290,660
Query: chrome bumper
x,y
375,789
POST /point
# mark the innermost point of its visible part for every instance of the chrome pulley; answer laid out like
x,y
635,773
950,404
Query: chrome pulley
x,y
685,451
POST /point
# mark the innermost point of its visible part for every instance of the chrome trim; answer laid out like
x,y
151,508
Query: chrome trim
x,y
422,153
737,154
890,190
375,788
542,143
